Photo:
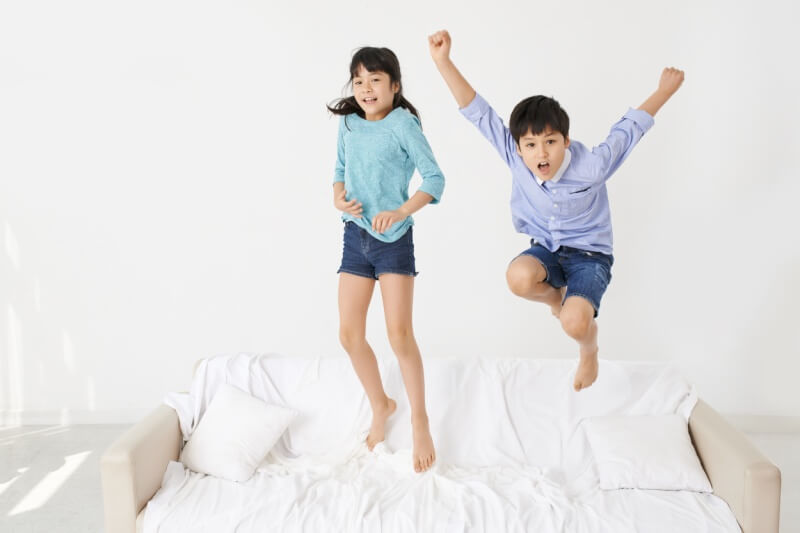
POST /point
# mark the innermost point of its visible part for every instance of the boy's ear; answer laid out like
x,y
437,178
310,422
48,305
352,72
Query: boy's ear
x,y
566,142
516,143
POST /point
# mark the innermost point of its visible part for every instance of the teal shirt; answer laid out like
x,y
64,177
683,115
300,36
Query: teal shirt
x,y
376,159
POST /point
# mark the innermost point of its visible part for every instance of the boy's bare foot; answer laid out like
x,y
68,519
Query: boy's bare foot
x,y
424,454
377,432
587,370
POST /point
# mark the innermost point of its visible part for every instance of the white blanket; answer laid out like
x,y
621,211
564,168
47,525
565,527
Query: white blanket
x,y
512,455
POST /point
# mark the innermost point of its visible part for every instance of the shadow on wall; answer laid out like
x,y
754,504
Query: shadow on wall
x,y
41,367
765,368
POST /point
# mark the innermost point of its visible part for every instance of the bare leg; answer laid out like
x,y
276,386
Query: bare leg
x,y
577,319
526,278
355,293
398,294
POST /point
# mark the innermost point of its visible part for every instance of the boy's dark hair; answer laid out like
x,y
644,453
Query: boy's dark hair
x,y
373,60
534,114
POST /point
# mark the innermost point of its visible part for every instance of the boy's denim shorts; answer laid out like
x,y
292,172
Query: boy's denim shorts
x,y
366,256
585,274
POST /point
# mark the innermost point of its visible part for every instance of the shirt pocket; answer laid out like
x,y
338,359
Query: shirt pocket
x,y
579,200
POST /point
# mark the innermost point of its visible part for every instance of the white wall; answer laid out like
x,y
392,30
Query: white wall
x,y
165,190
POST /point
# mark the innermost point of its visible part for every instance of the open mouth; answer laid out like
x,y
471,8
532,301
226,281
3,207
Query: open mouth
x,y
370,100
544,166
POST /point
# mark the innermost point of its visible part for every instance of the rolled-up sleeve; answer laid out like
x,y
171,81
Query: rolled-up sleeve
x,y
489,123
624,135
416,145
338,174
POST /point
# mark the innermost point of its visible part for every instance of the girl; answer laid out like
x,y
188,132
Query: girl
x,y
380,143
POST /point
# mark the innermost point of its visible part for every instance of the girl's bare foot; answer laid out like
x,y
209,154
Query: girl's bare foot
x,y
424,454
587,370
377,431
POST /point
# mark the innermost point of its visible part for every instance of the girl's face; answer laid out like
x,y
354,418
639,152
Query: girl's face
x,y
374,92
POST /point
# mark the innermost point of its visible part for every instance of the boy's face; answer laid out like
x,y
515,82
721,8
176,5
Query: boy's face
x,y
543,153
374,92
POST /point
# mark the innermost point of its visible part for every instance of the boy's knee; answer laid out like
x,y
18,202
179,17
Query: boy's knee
x,y
519,285
525,276
575,324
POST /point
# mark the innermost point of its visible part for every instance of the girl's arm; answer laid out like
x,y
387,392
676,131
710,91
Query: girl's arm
x,y
671,80
439,44
353,207
384,220
430,190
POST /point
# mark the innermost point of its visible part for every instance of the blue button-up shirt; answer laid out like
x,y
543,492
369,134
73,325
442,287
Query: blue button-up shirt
x,y
571,209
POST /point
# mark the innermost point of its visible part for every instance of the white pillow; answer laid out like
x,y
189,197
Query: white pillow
x,y
645,452
235,434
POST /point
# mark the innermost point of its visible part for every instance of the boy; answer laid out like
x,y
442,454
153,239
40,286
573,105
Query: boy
x,y
558,198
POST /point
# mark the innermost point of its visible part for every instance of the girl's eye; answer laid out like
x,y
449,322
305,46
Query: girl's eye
x,y
358,83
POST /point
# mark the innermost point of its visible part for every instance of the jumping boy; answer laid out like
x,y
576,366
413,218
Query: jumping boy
x,y
558,198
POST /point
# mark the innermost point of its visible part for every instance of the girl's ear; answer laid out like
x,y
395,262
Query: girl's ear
x,y
395,87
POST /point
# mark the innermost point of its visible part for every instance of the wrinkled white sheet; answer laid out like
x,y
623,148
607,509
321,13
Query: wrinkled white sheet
x,y
512,455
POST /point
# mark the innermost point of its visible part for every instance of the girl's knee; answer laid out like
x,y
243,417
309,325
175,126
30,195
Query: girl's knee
x,y
401,337
351,338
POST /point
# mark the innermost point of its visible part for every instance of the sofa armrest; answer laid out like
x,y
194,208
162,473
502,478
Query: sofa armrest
x,y
133,466
739,474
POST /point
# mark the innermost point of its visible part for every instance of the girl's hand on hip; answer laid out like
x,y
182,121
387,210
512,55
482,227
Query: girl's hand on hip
x,y
353,207
384,220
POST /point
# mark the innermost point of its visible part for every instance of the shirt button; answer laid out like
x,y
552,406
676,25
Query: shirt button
x,y
555,205
552,218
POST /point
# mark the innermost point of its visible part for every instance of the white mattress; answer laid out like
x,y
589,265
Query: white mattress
x,y
511,451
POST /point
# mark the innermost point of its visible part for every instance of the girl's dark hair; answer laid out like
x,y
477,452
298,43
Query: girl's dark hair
x,y
373,60
534,114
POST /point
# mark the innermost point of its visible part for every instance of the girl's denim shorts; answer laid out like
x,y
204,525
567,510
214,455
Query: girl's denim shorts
x,y
364,255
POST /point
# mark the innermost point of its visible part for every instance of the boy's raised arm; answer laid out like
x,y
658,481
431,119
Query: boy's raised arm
x,y
439,44
671,79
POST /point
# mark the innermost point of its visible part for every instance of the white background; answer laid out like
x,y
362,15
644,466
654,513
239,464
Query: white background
x,y
165,190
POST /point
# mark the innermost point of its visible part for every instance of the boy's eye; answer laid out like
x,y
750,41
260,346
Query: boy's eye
x,y
376,80
529,145
550,141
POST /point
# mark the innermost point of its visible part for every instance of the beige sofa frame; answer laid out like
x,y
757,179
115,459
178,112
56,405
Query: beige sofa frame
x,y
133,466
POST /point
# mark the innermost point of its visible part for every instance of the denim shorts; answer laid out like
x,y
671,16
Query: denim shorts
x,y
364,255
585,274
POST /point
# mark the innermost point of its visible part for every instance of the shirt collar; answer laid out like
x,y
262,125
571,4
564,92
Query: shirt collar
x,y
561,169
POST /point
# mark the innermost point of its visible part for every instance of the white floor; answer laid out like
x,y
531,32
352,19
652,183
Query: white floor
x,y
50,477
